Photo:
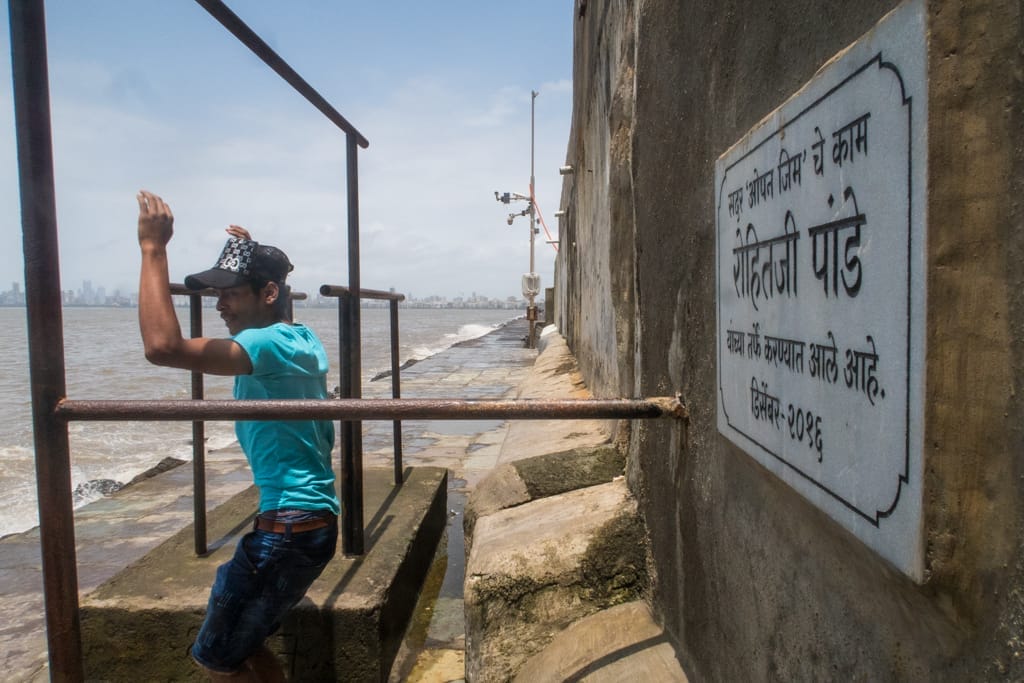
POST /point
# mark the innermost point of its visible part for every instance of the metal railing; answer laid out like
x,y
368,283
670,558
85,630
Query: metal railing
x,y
30,77
351,489
52,411
352,542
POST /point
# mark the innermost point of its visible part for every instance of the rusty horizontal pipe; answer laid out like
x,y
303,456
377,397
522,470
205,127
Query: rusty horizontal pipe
x,y
338,290
355,409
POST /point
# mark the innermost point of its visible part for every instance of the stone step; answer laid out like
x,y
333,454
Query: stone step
x,y
621,644
140,624
536,568
520,481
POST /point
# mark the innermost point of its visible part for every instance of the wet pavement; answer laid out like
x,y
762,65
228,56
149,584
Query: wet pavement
x,y
490,367
114,532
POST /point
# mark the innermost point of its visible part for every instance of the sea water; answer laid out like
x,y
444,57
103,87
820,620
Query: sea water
x,y
104,360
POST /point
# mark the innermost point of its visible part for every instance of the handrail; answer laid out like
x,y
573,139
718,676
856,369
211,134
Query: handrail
x,y
351,432
379,294
251,40
30,79
373,409
351,473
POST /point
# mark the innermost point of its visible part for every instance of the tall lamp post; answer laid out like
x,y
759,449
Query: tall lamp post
x,y
531,280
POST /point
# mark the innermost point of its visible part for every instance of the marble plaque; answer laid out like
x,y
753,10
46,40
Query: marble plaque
x,y
820,247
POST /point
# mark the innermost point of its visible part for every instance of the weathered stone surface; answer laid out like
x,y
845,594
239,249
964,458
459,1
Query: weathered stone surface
x,y
621,643
541,476
140,624
754,583
554,375
110,533
548,475
536,568
503,488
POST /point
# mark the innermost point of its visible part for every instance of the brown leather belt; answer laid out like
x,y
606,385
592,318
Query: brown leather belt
x,y
277,527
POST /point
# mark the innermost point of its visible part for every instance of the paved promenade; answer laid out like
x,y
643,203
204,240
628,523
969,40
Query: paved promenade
x,y
114,532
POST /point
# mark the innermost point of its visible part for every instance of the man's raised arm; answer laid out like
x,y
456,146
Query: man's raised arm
x,y
158,322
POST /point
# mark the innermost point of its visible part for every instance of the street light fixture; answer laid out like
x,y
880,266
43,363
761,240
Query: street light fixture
x,y
531,280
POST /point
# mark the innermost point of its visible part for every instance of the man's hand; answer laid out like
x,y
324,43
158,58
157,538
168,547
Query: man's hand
x,y
238,231
156,222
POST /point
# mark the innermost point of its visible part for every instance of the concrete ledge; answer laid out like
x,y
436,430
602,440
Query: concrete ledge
x,y
541,476
622,643
554,375
536,568
140,624
557,553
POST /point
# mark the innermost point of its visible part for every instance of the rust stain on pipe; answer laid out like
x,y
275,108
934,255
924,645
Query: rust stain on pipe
x,y
373,409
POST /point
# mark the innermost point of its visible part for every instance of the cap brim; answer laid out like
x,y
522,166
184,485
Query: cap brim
x,y
214,278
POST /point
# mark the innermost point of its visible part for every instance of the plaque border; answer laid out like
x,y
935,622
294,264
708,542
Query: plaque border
x,y
907,102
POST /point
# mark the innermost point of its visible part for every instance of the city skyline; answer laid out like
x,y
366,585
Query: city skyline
x,y
89,295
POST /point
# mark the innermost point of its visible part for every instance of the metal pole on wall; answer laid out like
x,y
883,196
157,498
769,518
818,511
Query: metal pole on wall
x,y
46,337
531,309
352,431
195,312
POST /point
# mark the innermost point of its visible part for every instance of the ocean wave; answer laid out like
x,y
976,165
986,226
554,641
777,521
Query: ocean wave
x,y
120,451
417,353
464,333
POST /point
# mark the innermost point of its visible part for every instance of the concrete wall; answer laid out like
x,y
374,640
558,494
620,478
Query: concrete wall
x,y
596,264
752,581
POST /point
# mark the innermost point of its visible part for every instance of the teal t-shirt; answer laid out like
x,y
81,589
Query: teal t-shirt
x,y
290,459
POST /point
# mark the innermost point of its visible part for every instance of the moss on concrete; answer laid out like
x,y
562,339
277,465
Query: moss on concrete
x,y
549,475
541,476
512,616
614,568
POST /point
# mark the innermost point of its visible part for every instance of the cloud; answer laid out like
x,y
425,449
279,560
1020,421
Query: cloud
x,y
430,224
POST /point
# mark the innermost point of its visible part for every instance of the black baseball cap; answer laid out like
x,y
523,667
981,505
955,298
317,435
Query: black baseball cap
x,y
243,261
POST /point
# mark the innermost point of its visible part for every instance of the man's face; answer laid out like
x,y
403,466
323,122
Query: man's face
x,y
241,308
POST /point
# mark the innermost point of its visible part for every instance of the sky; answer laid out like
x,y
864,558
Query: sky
x,y
157,95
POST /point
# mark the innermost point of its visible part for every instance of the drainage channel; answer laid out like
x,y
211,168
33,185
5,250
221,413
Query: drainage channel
x,y
435,641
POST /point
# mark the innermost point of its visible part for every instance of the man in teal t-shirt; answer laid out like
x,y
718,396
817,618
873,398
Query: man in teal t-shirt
x,y
295,533
288,362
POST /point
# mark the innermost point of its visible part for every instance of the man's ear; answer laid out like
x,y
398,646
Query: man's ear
x,y
270,293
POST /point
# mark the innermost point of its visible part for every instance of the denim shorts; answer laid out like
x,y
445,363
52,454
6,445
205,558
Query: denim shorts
x,y
268,575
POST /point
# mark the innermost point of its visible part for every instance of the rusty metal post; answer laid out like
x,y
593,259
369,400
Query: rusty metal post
x,y
344,325
396,390
45,337
344,427
352,473
195,305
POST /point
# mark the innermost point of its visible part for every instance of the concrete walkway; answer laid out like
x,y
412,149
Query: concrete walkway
x,y
117,531
557,577
110,534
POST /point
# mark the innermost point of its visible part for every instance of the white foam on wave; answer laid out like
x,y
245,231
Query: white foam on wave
x,y
99,452
464,333
120,451
18,508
